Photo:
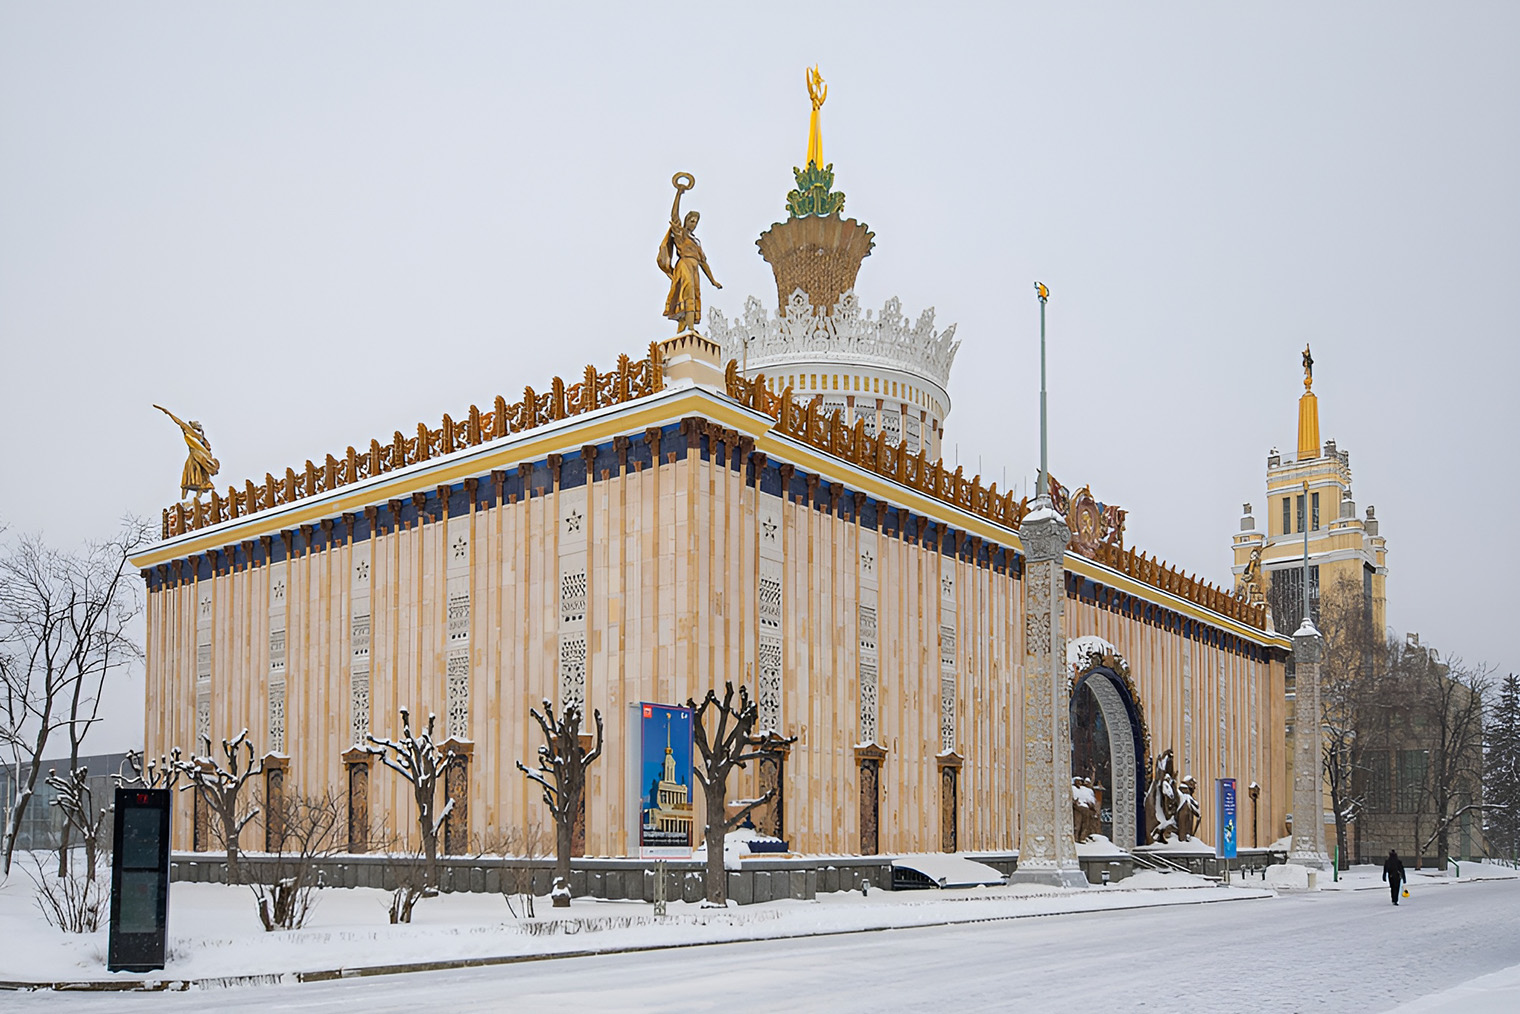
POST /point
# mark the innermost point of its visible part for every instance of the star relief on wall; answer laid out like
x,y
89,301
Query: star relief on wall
x,y
947,583
361,570
768,528
573,521
459,547
867,561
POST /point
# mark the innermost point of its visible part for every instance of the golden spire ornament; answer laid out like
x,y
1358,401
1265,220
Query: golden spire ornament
x,y
818,91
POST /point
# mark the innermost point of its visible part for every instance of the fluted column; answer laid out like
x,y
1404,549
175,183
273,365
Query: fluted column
x,y
1047,849
1308,799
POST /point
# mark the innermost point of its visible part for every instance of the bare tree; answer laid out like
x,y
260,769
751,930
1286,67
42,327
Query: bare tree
x,y
726,745
1350,678
76,801
419,760
1452,696
64,621
219,783
305,828
563,758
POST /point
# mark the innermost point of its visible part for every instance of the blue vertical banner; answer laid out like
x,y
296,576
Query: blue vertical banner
x,y
1226,826
666,808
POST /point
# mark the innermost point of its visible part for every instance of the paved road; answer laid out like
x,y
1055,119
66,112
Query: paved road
x,y
1344,952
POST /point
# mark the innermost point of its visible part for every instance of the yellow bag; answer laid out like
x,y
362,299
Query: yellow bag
x,y
1406,892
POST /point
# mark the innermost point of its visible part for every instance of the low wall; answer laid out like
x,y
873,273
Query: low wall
x,y
759,880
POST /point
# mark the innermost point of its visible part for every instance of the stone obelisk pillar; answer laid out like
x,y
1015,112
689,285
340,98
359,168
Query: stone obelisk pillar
x,y
1047,850
1308,798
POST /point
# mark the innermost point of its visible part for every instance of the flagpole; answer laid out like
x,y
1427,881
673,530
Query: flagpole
x,y
1042,487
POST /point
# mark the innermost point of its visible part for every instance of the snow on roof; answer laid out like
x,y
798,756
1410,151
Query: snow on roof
x,y
949,870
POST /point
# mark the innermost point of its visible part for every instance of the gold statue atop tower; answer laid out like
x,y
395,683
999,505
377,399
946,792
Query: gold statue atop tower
x,y
818,91
1308,414
200,466
681,258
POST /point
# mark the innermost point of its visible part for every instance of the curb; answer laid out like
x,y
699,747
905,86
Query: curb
x,y
366,971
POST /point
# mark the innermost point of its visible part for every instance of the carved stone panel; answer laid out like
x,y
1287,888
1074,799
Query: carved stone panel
x,y
358,806
949,776
456,829
870,806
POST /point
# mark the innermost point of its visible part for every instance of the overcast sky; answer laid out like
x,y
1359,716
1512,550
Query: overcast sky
x,y
307,225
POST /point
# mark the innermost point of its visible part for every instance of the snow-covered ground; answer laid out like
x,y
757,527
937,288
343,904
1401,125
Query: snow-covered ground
x,y
1450,949
214,932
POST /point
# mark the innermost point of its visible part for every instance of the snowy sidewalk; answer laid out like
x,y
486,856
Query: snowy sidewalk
x,y
215,938
1496,993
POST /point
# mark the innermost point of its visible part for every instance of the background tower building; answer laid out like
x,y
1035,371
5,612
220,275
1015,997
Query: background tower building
x,y
1309,494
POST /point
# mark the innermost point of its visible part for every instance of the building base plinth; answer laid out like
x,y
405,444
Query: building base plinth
x,y
1047,877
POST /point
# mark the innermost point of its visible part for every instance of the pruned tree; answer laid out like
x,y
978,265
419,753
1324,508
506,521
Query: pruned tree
x,y
76,801
420,761
65,622
156,773
562,763
306,828
1501,771
219,784
726,739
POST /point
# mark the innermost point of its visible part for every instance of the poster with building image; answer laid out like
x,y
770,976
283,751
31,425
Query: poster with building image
x,y
665,781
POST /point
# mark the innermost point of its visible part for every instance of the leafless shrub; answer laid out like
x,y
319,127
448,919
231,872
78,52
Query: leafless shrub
x,y
73,903
305,828
526,842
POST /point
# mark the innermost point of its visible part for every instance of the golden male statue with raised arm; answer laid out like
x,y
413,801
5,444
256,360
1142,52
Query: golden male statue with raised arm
x,y
681,257
200,466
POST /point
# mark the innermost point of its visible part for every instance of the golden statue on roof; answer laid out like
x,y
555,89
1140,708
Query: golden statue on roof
x,y
681,258
1308,368
200,466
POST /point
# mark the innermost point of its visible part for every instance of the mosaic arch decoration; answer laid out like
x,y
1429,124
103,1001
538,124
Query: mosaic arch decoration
x,y
1097,665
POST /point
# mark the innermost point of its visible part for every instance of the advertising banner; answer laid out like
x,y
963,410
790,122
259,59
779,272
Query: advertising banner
x,y
1226,827
666,785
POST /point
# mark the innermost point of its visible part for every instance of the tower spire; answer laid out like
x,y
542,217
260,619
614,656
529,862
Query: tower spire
x,y
1308,413
818,91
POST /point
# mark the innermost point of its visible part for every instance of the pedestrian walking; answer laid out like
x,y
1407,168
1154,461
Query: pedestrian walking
x,y
1393,872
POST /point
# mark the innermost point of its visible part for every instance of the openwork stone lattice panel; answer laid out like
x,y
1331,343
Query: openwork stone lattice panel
x,y
869,701
769,611
574,594
277,716
458,676
868,635
572,670
358,706
359,638
769,702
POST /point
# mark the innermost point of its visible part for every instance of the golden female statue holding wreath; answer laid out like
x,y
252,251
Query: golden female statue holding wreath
x,y
681,257
200,466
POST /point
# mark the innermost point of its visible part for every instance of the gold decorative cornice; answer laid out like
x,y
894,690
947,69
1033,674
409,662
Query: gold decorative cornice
x,y
628,381
1102,526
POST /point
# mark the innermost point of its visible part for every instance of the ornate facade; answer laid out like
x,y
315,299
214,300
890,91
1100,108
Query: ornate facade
x,y
714,512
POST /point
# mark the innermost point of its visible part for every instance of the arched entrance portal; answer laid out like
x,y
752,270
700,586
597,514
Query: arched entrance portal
x,y
1108,736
